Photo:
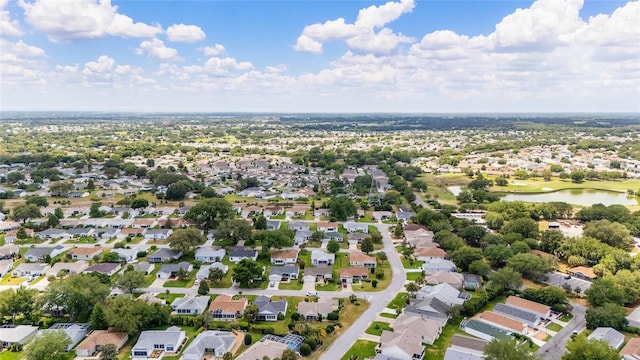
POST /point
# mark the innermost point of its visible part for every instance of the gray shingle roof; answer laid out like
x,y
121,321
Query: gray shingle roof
x,y
515,313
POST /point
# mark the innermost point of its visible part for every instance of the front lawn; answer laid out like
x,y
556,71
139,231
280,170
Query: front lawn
x,y
413,276
169,297
82,240
363,349
410,263
554,327
399,301
185,283
382,283
437,350
291,285
328,286
566,317
8,280
376,328
390,316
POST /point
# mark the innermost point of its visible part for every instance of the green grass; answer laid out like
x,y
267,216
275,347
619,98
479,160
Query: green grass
x,y
82,240
329,286
8,280
362,349
1,239
413,276
291,285
399,301
411,264
188,282
278,217
10,355
387,315
554,327
169,298
566,318
382,283
536,185
368,217
191,333
376,328
437,350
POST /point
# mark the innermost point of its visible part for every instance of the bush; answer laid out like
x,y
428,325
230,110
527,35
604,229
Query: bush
x,y
374,283
333,316
248,340
305,350
295,316
311,342
330,328
140,254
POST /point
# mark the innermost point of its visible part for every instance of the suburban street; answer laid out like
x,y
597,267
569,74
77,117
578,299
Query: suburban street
x,y
555,348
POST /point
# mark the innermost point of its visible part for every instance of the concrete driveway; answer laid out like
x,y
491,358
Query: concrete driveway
x,y
308,286
557,279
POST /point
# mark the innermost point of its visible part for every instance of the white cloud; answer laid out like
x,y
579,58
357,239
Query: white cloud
x,y
360,36
156,49
214,50
83,19
220,66
185,33
8,27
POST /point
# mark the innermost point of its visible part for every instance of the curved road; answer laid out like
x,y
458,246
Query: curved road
x,y
555,348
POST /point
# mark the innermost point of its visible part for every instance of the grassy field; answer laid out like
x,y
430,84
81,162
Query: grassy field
x,y
382,283
169,298
291,285
413,276
362,349
376,328
399,301
188,282
539,185
8,280
554,327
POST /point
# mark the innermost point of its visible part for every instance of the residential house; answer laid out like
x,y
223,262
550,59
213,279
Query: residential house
x,y
328,226
443,292
269,310
108,233
465,348
264,348
190,305
29,269
438,264
126,255
332,235
130,232
164,255
144,223
151,341
210,254
203,272
9,251
353,274
76,267
631,351
356,237
225,308
319,257
298,226
427,330
143,266
284,257
502,322
103,268
11,236
283,273
382,215
157,234
352,227
5,266
81,232
483,330
238,253
42,252
430,308
516,313
76,332
319,273
151,298
273,225
302,236
541,310
614,338
215,343
85,253
634,318
429,253
93,343
356,258
404,345
452,278
171,270
20,334
405,216
583,272
311,310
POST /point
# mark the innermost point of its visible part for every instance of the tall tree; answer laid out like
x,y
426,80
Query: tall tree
x,y
185,240
215,275
609,315
98,319
367,245
76,293
50,345
333,246
341,208
250,314
109,352
207,211
507,278
531,266
603,291
24,212
130,280
507,348
133,315
18,301
234,230
248,273
582,348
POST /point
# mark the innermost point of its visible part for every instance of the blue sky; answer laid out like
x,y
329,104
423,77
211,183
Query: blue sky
x,y
320,56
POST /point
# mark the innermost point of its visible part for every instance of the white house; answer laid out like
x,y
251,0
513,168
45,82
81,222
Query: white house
x,y
352,226
75,332
319,257
203,272
171,270
210,342
168,341
190,305
210,254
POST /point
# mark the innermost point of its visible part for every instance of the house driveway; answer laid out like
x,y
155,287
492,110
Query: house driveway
x,y
157,283
308,286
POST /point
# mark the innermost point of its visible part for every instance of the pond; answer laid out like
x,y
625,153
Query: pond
x,y
583,197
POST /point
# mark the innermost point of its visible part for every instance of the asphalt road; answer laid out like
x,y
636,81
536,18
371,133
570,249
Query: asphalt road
x,y
555,348
557,279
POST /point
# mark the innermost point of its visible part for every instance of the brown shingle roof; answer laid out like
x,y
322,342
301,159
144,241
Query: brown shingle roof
x,y
101,337
632,347
503,321
354,271
227,305
87,250
527,304
361,257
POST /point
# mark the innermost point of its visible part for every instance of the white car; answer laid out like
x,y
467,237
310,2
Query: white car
x,y
197,282
312,293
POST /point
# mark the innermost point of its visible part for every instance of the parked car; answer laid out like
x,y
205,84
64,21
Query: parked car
x,y
272,284
312,293
567,277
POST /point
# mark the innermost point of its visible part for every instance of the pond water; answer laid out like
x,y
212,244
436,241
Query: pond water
x,y
583,197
